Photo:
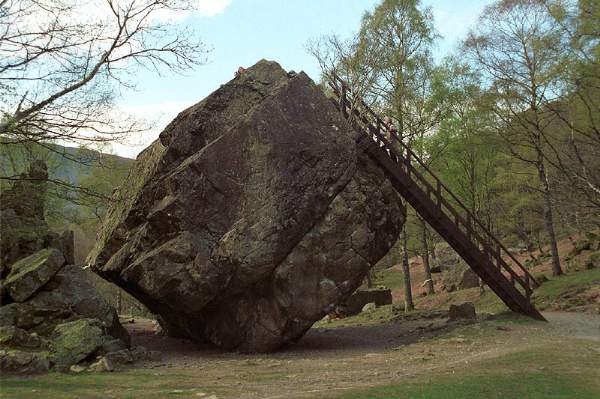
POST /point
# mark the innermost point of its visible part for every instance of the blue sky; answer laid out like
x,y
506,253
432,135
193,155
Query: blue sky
x,y
241,32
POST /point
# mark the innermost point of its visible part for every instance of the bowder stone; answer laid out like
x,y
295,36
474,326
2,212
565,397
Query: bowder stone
x,y
251,216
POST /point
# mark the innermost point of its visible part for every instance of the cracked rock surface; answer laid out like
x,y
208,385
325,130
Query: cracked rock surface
x,y
250,217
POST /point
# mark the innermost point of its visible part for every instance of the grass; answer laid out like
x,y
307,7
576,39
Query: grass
x,y
563,291
133,383
380,315
547,372
391,278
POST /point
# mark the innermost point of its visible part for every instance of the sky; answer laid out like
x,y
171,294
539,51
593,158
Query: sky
x,y
241,32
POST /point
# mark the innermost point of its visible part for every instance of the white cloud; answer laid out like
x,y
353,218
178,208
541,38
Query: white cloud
x,y
157,116
202,8
209,8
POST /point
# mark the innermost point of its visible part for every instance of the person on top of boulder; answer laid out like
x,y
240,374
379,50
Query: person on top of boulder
x,y
239,72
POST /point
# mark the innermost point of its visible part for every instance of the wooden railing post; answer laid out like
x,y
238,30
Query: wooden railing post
x,y
343,100
498,257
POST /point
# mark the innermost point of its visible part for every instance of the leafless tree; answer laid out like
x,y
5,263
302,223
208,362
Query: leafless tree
x,y
63,63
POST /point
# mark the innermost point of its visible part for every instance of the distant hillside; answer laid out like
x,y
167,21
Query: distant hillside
x,y
67,164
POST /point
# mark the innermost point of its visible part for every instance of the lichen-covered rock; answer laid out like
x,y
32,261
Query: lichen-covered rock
x,y
67,296
30,274
17,337
251,217
13,361
76,340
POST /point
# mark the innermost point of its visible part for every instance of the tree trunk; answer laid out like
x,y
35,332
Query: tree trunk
x,y
408,300
425,256
548,219
369,280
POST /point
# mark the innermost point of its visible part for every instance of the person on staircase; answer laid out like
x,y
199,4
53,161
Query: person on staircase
x,y
391,135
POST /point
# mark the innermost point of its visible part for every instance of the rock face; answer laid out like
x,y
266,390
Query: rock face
x,y
24,229
28,275
251,217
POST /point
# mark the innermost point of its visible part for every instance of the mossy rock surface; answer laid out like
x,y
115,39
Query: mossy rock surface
x,y
14,361
12,336
30,274
77,340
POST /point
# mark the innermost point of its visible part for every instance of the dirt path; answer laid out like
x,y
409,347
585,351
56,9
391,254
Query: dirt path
x,y
577,325
329,360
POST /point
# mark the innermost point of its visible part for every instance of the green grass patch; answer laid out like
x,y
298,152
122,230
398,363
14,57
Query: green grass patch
x,y
546,372
133,383
382,314
564,290
391,278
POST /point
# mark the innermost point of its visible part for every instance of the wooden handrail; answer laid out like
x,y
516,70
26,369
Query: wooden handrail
x,y
374,128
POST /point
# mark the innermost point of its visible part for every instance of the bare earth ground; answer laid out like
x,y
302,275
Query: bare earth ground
x,y
329,361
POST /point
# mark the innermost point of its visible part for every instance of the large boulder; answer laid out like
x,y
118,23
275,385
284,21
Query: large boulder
x,y
28,275
251,217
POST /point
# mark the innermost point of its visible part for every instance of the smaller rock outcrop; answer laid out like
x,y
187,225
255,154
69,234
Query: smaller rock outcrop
x,y
52,317
24,229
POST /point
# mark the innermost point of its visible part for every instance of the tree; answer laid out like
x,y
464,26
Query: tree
x,y
397,38
62,67
576,153
517,45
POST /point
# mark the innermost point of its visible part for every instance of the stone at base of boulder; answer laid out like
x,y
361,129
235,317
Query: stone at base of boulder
x,y
76,368
101,366
464,311
369,307
120,357
22,362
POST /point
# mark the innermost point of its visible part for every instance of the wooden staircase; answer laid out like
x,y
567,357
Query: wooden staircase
x,y
437,205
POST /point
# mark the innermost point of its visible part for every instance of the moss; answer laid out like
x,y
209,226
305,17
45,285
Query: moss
x,y
76,340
